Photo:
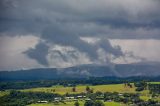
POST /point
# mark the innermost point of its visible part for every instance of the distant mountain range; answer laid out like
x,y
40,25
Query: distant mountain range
x,y
83,71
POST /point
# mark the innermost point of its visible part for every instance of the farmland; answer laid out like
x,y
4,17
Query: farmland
x,y
120,88
81,88
114,90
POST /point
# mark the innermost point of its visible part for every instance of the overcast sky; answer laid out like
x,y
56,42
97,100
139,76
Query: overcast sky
x,y
64,33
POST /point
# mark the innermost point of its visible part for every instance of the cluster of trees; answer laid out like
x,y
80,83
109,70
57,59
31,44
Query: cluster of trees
x,y
70,82
25,84
128,85
90,103
88,89
154,88
17,98
94,103
125,98
148,103
141,85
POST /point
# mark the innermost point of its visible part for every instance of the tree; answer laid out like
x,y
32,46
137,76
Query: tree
x,y
142,85
89,103
94,103
67,94
76,103
125,100
98,93
91,90
139,89
99,103
87,88
74,89
92,96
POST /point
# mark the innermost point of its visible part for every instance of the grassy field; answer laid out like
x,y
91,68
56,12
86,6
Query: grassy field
x,y
72,104
2,93
81,88
114,104
154,82
59,104
103,88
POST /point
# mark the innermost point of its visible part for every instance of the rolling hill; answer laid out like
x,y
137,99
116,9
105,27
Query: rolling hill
x,y
83,71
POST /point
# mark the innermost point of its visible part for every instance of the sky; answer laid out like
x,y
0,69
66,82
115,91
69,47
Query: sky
x,y
65,33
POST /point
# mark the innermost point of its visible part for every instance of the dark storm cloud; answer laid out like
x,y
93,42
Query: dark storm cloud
x,y
63,22
39,53
26,16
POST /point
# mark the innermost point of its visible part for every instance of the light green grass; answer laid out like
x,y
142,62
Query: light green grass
x,y
81,88
59,104
145,98
3,93
114,104
42,104
154,82
72,104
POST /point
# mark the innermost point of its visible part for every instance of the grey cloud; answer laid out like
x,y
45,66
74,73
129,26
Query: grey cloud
x,y
60,36
65,36
39,53
105,44
24,16
63,22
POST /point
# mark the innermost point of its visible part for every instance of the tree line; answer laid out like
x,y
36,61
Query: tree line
x,y
70,82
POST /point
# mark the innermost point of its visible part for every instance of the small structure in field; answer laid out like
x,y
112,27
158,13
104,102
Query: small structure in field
x,y
81,97
69,98
57,99
75,99
42,101
120,94
109,100
88,99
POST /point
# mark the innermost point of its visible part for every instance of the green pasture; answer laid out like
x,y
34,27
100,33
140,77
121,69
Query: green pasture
x,y
121,88
58,104
154,82
82,88
72,104
2,93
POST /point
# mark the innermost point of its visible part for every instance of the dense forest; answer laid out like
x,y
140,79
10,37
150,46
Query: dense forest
x,y
17,98
71,82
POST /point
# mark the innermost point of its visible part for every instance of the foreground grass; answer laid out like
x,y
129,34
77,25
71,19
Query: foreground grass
x,y
113,104
58,104
72,104
52,104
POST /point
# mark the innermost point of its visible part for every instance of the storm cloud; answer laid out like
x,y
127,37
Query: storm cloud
x,y
39,53
82,18
65,22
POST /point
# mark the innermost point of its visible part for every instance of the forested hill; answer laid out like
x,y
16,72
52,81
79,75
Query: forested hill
x,y
83,71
